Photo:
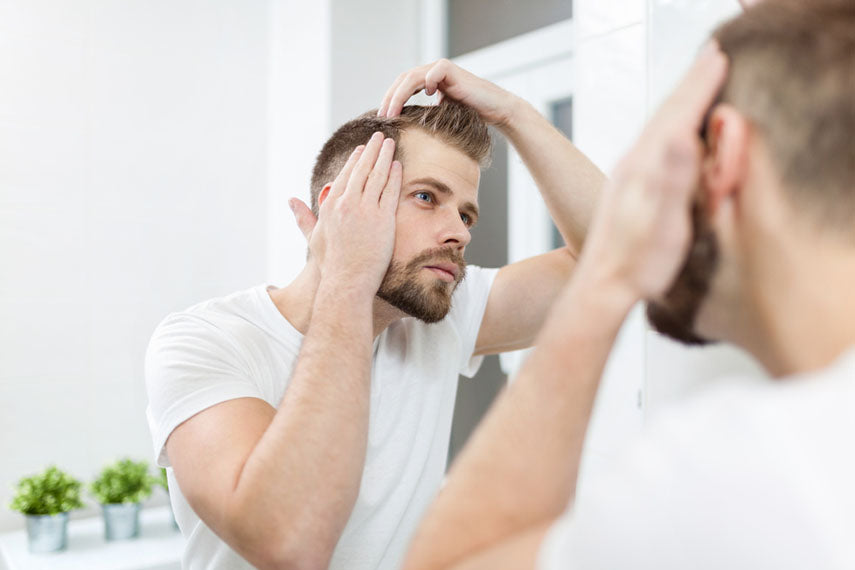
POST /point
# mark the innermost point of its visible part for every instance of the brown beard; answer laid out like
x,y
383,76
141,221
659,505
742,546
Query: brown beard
x,y
675,316
402,288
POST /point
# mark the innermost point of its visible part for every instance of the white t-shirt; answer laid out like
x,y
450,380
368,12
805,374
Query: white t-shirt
x,y
750,474
241,346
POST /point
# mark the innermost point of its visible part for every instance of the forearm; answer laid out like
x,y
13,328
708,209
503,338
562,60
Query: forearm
x,y
569,182
301,480
521,466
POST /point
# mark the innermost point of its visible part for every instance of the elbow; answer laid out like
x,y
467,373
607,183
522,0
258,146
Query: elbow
x,y
272,545
291,559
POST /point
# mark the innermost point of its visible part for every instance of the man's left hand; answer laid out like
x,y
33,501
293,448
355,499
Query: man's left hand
x,y
494,104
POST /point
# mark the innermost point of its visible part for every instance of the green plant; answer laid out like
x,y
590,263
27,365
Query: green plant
x,y
48,493
124,481
162,480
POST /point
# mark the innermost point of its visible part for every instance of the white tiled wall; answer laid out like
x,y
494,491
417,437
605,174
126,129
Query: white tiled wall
x,y
132,183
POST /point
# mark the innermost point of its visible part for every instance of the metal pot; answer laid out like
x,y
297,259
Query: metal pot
x,y
121,520
47,533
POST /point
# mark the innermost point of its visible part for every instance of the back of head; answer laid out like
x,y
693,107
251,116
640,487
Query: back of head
x,y
792,74
456,124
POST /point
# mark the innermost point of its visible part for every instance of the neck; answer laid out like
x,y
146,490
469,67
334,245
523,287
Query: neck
x,y
296,302
803,309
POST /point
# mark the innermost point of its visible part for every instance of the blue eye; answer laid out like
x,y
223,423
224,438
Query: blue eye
x,y
427,196
467,219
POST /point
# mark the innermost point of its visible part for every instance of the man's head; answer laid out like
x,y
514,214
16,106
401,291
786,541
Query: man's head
x,y
789,100
442,148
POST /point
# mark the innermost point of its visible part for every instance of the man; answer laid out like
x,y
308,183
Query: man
x,y
749,239
308,426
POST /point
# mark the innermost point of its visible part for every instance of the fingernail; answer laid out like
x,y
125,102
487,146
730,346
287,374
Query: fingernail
x,y
377,135
292,205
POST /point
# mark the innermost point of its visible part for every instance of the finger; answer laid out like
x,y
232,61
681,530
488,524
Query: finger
x,y
392,191
413,82
384,104
693,96
436,75
380,173
306,220
340,182
363,167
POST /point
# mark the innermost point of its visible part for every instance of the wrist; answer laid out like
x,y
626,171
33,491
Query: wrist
x,y
342,289
606,292
515,115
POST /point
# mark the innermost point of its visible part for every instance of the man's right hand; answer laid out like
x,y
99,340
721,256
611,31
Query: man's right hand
x,y
354,236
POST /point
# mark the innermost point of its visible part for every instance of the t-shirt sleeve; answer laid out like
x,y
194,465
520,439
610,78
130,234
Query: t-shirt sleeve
x,y
467,312
190,365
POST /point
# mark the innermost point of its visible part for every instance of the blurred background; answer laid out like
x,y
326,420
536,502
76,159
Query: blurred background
x,y
148,148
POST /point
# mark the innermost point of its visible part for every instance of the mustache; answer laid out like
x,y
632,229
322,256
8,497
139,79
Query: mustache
x,y
439,254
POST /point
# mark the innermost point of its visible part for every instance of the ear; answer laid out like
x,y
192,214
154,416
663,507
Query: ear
x,y
306,220
726,158
325,191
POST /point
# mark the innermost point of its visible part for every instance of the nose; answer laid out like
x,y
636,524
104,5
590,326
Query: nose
x,y
454,231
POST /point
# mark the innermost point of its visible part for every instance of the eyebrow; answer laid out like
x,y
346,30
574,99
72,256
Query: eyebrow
x,y
443,188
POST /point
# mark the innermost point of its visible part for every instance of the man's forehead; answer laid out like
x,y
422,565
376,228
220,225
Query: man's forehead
x,y
427,157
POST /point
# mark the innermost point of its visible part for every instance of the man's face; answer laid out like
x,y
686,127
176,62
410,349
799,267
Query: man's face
x,y
676,314
438,206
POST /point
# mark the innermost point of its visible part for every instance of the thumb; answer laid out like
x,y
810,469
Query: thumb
x,y
306,220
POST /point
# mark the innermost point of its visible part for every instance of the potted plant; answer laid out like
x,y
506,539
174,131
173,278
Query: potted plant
x,y
45,499
120,488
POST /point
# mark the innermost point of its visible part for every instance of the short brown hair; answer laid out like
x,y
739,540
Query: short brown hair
x,y
454,123
792,74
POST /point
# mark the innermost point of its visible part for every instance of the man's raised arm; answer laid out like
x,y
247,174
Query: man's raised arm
x,y
278,485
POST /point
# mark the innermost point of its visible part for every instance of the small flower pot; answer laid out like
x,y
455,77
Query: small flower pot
x,y
121,521
47,533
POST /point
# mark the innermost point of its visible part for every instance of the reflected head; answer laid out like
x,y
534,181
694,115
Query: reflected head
x,y
792,75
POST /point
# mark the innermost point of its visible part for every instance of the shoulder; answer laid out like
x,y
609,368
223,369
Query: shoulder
x,y
748,462
208,331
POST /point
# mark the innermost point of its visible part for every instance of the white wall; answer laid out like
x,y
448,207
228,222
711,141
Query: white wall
x,y
299,78
373,42
132,183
